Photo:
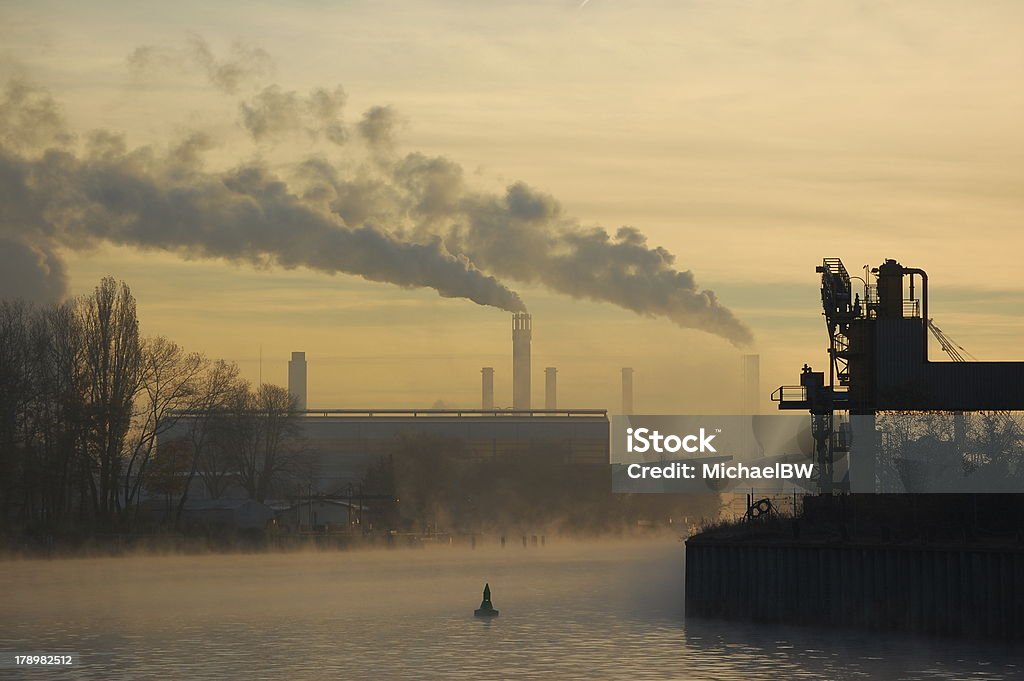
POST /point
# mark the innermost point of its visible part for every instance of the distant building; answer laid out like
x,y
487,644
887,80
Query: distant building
x,y
551,388
323,515
344,442
234,514
627,391
347,441
297,379
487,388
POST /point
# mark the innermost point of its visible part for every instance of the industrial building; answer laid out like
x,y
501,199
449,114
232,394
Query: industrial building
x,y
878,362
917,524
347,441
343,443
323,514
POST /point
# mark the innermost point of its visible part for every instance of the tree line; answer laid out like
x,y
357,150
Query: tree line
x,y
95,418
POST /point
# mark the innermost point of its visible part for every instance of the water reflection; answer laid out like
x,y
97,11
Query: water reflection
x,y
595,611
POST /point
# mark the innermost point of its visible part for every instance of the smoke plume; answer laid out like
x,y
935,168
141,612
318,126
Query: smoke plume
x,y
244,63
524,235
273,112
30,271
139,197
408,220
554,251
378,127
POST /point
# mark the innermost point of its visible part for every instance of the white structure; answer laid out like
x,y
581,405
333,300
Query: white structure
x,y
297,379
522,334
550,388
627,390
487,388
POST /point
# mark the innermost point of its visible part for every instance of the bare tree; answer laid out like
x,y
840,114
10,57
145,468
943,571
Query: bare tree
x,y
218,384
170,383
15,388
57,409
266,440
85,403
112,363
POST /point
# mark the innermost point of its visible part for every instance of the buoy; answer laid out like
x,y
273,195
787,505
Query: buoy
x,y
486,609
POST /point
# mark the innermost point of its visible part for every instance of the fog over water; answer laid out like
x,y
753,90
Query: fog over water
x,y
602,610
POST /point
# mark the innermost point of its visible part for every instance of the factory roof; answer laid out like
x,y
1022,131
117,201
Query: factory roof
x,y
442,413
458,413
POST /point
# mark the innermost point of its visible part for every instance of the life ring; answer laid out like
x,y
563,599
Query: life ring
x,y
759,508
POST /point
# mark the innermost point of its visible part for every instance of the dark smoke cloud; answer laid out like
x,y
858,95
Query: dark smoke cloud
x,y
243,63
32,272
273,112
30,118
406,220
379,126
552,250
141,198
29,267
524,235
245,215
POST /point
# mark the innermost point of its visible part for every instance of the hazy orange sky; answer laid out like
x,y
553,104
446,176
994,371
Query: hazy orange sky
x,y
748,139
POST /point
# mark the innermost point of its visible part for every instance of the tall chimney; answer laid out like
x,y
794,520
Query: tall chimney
x,y
751,384
297,379
550,388
487,401
627,390
522,333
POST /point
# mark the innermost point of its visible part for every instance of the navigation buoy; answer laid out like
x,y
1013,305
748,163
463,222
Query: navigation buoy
x,y
486,609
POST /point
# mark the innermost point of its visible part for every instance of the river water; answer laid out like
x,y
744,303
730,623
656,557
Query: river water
x,y
605,610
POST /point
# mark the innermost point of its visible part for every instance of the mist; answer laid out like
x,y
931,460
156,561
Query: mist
x,y
595,610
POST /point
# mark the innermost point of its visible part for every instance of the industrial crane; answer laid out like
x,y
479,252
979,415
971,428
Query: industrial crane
x,y
878,361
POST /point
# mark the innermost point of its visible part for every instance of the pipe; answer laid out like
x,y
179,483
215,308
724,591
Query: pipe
x,y
924,305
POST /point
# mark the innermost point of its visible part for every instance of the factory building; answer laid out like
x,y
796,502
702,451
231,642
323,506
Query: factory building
x,y
345,442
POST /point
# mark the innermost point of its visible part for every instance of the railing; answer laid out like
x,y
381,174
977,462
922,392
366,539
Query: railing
x,y
454,413
457,413
911,308
790,393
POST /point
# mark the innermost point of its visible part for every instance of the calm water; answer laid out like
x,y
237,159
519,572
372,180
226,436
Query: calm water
x,y
594,611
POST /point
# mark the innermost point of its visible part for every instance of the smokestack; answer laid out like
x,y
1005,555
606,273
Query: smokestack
x,y
627,390
751,384
550,388
297,379
522,333
487,401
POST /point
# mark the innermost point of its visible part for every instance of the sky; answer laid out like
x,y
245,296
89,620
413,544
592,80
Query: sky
x,y
748,139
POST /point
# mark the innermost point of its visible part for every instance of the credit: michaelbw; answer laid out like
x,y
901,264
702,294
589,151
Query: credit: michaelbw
x,y
720,471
